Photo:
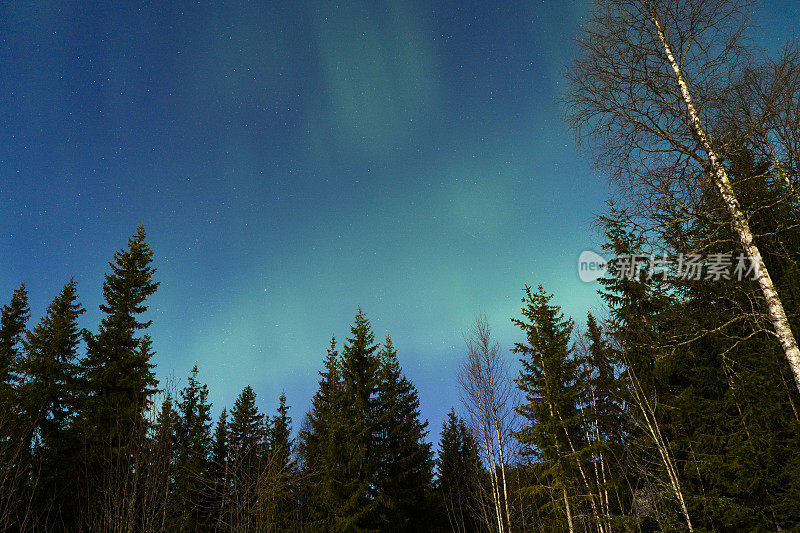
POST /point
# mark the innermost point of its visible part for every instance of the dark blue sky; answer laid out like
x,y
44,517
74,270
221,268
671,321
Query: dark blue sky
x,y
293,160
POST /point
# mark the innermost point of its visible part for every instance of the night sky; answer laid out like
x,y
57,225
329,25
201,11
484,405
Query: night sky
x,y
294,160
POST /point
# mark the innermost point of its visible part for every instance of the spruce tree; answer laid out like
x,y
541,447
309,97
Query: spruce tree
x,y
727,410
605,422
165,450
15,430
118,378
245,430
13,318
282,505
166,428
321,449
717,404
47,399
635,296
549,381
405,463
361,379
639,303
365,461
194,445
219,448
460,473
51,351
219,474
603,385
245,448
280,441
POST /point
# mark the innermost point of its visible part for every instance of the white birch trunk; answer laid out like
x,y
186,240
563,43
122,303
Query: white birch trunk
x,y
489,450
720,179
583,474
569,512
663,451
784,176
495,408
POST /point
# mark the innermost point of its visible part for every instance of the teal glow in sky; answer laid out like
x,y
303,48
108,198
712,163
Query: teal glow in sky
x,y
292,161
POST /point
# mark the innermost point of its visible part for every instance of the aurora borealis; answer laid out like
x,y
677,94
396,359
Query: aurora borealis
x,y
292,161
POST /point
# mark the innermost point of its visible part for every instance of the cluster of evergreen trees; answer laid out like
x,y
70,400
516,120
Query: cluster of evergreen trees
x,y
675,412
363,444
89,442
679,413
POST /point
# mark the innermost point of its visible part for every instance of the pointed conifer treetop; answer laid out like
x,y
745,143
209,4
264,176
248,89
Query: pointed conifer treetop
x,y
195,421
359,360
117,378
280,442
129,283
49,366
548,377
219,446
246,425
13,318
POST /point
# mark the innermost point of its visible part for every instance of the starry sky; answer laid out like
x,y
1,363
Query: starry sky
x,y
294,160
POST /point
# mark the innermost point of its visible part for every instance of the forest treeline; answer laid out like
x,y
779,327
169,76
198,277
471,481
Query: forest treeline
x,y
650,420
675,407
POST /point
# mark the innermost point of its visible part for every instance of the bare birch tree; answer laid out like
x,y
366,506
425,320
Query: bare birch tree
x,y
130,492
18,483
647,88
648,422
488,396
765,106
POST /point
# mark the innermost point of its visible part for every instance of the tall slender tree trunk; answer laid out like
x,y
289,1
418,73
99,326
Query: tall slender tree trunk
x,y
564,473
582,473
605,492
719,177
552,411
556,413
655,432
602,490
494,408
603,524
789,395
785,177
489,450
569,511
485,514
483,380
